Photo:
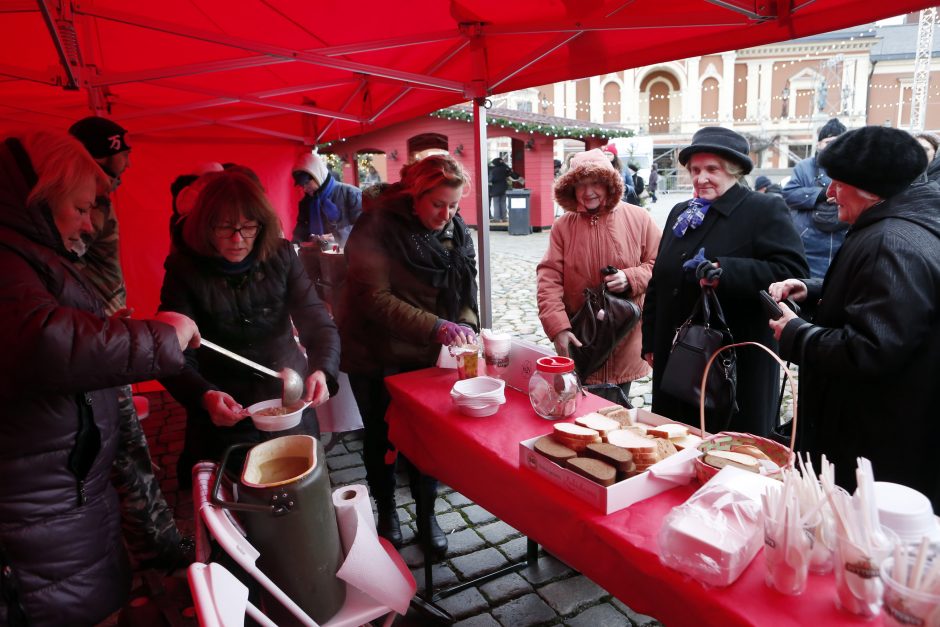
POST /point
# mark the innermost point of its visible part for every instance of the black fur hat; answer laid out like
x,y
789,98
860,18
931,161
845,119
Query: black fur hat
x,y
832,128
877,159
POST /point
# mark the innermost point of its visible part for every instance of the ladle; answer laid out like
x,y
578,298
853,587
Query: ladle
x,y
293,384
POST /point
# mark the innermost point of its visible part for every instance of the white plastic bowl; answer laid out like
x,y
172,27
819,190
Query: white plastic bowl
x,y
906,512
479,396
275,423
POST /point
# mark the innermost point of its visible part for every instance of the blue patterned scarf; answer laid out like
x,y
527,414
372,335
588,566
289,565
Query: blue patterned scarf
x,y
320,206
692,216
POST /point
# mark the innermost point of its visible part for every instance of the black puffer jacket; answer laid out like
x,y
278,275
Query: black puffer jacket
x,y
60,361
249,314
870,362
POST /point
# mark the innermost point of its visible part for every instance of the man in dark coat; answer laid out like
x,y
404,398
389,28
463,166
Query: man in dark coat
x,y
750,236
147,521
870,360
328,206
499,175
815,219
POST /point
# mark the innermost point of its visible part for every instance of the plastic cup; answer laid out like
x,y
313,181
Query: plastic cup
x,y
496,349
822,555
787,558
859,588
904,605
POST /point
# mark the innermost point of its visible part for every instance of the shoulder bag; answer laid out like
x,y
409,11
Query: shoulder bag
x,y
699,337
603,320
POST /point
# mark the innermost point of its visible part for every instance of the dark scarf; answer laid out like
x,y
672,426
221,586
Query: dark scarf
x,y
321,205
450,271
234,269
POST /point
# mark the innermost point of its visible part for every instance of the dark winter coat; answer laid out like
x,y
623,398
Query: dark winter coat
x,y
250,314
870,362
801,194
499,176
389,314
752,238
61,361
348,200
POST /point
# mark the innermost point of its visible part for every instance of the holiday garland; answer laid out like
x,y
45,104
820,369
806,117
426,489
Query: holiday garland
x,y
574,132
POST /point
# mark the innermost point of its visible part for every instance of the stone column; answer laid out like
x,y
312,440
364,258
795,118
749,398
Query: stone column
x,y
726,92
596,99
753,86
765,92
629,99
691,97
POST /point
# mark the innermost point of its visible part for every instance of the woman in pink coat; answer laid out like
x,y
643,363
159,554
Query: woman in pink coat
x,y
597,230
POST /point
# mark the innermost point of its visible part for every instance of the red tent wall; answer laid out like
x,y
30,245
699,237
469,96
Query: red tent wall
x,y
143,202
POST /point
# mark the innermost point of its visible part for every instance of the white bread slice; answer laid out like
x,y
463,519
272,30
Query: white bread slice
x,y
687,441
605,411
637,427
669,431
720,459
622,416
632,441
750,449
576,432
601,424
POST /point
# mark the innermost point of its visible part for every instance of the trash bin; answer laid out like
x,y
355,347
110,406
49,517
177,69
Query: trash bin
x,y
518,201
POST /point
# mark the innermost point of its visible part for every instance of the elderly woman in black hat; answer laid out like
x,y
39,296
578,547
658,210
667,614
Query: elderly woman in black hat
x,y
870,361
745,237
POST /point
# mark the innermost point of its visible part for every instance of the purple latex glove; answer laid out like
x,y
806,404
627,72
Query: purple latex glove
x,y
451,333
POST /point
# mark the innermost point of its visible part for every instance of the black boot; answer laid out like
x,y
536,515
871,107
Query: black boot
x,y
389,526
430,534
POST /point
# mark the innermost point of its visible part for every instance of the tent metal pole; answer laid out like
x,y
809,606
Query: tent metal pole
x,y
480,173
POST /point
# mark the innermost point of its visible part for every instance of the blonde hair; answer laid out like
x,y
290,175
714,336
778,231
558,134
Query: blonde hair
x,y
733,168
226,196
61,164
422,176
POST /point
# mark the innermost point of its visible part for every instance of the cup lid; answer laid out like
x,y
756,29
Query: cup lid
x,y
555,365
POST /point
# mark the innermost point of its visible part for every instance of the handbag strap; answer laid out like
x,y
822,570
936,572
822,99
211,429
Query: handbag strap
x,y
789,374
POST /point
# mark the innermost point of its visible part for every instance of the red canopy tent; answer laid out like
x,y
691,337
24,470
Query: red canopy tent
x,y
255,81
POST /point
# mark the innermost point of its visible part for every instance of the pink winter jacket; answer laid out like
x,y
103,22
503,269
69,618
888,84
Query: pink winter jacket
x,y
620,235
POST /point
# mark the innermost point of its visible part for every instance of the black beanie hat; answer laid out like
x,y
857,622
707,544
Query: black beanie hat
x,y
877,159
100,136
720,141
832,128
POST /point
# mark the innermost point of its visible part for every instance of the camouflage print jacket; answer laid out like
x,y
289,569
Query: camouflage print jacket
x,y
101,261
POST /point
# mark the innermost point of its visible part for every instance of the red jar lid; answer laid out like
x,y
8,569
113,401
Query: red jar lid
x,y
555,365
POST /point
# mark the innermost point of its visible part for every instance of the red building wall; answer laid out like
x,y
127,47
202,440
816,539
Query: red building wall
x,y
535,164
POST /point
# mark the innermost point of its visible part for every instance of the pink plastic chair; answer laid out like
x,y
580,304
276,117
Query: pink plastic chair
x,y
358,609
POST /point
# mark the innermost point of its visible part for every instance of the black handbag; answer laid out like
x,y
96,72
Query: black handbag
x,y
696,341
599,333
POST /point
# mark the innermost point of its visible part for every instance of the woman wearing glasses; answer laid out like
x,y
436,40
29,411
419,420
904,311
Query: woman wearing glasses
x,y
233,273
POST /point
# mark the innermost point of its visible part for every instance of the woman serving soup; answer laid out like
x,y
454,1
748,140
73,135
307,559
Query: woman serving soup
x,y
234,274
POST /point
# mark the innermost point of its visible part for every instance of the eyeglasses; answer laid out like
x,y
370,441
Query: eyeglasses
x,y
247,231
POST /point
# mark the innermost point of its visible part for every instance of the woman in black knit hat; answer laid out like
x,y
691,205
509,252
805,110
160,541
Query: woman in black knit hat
x,y
870,360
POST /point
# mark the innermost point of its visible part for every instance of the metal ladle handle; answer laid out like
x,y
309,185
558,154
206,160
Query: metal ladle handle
x,y
239,358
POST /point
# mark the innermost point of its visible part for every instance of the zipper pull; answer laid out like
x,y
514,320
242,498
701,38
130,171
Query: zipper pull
x,y
594,220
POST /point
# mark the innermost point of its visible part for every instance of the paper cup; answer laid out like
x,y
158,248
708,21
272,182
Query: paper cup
x,y
496,349
859,588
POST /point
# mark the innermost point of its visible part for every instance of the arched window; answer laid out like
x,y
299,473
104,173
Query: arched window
x,y
658,101
612,102
710,100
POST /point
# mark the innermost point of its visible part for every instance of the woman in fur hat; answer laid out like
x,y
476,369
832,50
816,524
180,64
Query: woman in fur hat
x,y
597,230
870,360
748,239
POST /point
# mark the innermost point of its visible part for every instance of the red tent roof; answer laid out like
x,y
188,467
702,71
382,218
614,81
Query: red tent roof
x,y
310,72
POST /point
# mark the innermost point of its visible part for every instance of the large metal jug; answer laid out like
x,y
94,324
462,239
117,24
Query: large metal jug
x,y
285,494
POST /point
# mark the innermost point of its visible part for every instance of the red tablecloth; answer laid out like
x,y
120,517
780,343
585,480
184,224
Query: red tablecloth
x,y
479,457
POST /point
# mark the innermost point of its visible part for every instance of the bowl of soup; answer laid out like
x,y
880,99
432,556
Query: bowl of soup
x,y
272,415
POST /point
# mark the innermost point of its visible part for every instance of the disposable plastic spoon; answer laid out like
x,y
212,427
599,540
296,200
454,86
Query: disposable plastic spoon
x,y
293,384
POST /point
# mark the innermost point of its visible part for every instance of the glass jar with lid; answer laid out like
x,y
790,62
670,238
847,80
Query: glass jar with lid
x,y
554,389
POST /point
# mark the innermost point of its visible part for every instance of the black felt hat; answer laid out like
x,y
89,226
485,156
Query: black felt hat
x,y
100,136
720,141
877,159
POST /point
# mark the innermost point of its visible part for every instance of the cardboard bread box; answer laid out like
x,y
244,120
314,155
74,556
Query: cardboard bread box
x,y
667,474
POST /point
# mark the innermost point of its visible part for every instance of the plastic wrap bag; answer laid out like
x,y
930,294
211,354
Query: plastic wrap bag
x,y
716,533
